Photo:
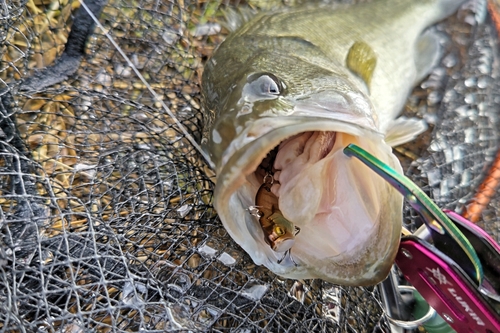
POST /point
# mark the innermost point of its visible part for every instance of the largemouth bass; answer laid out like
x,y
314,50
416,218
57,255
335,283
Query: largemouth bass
x,y
283,95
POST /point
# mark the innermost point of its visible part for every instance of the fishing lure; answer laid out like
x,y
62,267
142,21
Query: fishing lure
x,y
279,232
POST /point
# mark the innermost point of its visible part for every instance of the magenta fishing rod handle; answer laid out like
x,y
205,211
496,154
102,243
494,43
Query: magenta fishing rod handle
x,y
446,287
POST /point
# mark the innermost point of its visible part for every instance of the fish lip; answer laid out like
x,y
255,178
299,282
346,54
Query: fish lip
x,y
270,131
350,106
347,106
351,109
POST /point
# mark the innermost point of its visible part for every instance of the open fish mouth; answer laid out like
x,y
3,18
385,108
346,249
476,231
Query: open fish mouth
x,y
305,179
349,218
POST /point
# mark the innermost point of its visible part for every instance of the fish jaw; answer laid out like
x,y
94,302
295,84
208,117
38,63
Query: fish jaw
x,y
353,243
336,99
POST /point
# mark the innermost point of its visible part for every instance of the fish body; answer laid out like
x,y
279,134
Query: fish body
x,y
285,93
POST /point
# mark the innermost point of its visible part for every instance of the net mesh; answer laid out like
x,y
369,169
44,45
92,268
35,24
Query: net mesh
x,y
105,207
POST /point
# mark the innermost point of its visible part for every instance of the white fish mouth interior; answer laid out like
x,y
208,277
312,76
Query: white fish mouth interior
x,y
319,192
298,153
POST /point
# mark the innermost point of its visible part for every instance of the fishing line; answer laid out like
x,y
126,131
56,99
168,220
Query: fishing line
x,y
151,90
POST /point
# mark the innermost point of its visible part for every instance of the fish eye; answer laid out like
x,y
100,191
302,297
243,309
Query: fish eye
x,y
264,84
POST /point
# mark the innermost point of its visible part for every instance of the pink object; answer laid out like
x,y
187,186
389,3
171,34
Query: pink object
x,y
445,287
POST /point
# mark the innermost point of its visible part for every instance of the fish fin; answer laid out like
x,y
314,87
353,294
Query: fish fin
x,y
402,130
362,61
235,18
428,53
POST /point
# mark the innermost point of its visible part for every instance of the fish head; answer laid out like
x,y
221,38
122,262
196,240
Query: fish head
x,y
265,88
300,116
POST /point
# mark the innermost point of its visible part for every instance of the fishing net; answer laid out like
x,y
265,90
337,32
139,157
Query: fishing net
x,y
106,218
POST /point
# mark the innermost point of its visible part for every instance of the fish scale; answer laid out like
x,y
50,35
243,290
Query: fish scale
x,y
342,69
188,257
